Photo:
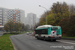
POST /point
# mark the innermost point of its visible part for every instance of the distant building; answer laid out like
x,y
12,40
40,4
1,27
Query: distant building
x,y
15,14
3,16
31,19
22,16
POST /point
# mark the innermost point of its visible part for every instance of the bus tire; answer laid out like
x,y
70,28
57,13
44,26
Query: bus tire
x,y
51,40
37,38
44,38
54,40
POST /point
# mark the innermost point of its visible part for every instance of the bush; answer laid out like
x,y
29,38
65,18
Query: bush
x,y
12,33
68,26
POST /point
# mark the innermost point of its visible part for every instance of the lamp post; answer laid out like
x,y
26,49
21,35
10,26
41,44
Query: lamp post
x,y
46,12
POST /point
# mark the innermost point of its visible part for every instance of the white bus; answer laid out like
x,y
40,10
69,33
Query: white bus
x,y
48,32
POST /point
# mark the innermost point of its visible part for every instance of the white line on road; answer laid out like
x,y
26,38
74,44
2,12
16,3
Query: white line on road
x,y
38,45
67,42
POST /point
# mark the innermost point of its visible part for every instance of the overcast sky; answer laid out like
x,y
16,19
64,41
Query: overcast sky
x,y
31,6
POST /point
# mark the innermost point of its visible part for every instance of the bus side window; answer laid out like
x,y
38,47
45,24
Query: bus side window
x,y
44,31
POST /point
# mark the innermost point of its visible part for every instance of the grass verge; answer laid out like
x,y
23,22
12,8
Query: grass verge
x,y
5,42
68,37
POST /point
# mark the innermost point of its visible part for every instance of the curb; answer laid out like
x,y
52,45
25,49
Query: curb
x,y
13,44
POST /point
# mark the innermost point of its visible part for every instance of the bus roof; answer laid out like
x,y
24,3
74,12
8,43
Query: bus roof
x,y
44,26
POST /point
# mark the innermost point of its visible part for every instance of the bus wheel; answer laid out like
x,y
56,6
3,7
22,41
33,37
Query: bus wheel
x,y
37,38
44,38
51,40
54,40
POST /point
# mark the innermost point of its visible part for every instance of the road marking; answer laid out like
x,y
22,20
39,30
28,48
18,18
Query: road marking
x,y
38,45
67,42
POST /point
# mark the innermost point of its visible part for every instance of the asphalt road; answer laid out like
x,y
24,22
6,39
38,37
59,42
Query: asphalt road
x,y
27,42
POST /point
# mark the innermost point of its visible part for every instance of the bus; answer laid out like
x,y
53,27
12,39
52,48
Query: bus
x,y
48,32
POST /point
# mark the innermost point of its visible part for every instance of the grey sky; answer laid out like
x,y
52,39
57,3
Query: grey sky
x,y
31,6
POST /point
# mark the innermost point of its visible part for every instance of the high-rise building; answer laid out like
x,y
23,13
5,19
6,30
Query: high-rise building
x,y
31,19
3,16
22,16
15,14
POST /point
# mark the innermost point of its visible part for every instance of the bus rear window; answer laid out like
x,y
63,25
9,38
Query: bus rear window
x,y
55,28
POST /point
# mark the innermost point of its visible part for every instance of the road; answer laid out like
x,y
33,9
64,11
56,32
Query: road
x,y
27,42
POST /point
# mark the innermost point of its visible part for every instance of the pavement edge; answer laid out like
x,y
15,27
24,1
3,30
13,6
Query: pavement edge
x,y
13,44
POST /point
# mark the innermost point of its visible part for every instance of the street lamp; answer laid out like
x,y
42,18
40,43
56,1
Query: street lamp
x,y
46,12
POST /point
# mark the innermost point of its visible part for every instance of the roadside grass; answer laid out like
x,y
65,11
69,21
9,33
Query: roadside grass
x,y
68,37
5,43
